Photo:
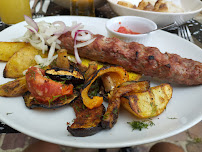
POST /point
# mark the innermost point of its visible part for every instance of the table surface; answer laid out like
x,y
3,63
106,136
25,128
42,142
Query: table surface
x,y
194,25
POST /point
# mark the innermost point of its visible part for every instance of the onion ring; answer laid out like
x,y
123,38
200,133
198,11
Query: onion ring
x,y
31,22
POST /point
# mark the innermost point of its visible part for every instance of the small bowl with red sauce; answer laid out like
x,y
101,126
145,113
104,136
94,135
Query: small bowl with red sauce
x,y
130,28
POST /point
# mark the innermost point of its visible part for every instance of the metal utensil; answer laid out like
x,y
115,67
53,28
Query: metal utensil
x,y
184,32
34,6
40,13
164,27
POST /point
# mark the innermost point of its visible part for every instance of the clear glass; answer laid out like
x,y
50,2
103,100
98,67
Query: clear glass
x,y
13,11
82,7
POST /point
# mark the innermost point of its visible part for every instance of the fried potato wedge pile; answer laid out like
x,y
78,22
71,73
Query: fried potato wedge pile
x,y
19,57
20,61
7,49
148,103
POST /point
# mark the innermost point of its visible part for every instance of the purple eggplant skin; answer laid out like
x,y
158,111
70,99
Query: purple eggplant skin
x,y
72,75
32,103
83,132
88,121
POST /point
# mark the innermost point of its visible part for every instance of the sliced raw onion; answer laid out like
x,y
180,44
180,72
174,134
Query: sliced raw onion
x,y
52,39
71,28
61,28
51,51
44,61
43,47
85,43
57,47
38,59
76,54
31,22
85,37
73,33
58,41
31,29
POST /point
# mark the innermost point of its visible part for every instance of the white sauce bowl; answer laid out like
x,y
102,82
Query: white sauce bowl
x,y
135,24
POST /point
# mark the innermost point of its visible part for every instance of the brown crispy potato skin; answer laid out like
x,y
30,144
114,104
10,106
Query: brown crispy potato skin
x,y
13,88
149,103
7,49
21,61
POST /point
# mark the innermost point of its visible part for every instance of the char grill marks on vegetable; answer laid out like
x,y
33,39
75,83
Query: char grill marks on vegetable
x,y
139,58
111,115
88,121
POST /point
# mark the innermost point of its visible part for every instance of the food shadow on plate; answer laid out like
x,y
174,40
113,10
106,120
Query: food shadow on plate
x,y
156,81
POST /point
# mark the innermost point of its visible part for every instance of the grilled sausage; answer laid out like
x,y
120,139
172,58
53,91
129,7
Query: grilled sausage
x,y
140,59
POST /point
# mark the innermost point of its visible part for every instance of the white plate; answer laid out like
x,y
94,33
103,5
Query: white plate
x,y
50,125
191,7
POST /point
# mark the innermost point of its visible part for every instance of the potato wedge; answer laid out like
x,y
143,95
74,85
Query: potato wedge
x,y
7,49
148,103
21,61
14,88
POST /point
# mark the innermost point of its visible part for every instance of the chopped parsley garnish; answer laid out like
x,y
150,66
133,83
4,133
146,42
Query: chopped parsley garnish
x,y
88,115
77,108
115,111
79,86
105,116
139,125
54,98
83,106
94,89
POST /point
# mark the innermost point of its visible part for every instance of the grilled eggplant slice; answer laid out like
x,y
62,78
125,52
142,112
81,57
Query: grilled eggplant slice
x,y
32,103
71,75
88,121
111,115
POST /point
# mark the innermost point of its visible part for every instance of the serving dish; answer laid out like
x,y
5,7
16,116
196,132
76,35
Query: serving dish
x,y
136,24
191,9
50,125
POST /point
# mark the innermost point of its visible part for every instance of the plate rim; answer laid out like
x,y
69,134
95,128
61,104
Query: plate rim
x,y
84,145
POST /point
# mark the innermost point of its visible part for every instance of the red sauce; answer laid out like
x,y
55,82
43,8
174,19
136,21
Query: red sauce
x,y
124,30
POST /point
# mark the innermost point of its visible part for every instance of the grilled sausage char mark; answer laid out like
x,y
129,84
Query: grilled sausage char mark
x,y
140,59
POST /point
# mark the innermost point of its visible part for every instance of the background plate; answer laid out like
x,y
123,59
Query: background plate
x,y
192,8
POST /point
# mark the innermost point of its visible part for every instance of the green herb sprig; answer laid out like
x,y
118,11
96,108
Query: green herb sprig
x,y
139,125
